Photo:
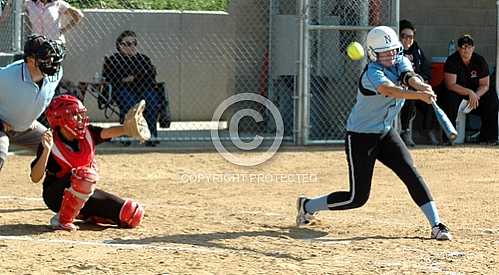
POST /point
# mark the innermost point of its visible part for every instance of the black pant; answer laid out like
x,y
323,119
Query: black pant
x,y
362,151
407,113
487,110
100,204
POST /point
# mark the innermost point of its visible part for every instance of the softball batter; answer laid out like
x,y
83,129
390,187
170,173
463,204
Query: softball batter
x,y
370,134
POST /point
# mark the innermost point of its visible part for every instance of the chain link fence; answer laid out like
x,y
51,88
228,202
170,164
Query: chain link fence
x,y
183,64
10,31
333,77
186,64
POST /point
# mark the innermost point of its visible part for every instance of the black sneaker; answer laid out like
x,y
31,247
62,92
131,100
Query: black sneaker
x,y
150,143
126,143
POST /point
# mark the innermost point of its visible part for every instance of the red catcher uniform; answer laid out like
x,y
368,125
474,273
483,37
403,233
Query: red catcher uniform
x,y
71,173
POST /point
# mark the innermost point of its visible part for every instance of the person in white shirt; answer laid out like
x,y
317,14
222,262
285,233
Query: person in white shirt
x,y
45,17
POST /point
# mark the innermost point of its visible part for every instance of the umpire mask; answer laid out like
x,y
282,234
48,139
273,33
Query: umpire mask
x,y
48,54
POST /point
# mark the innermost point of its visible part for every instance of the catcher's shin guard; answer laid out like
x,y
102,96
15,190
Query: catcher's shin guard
x,y
70,207
74,198
131,214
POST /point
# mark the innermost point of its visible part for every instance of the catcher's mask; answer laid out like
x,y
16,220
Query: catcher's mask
x,y
68,112
48,54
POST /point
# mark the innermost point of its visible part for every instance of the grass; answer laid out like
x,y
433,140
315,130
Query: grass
x,y
208,5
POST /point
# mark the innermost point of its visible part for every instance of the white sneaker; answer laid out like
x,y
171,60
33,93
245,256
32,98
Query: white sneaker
x,y
441,232
304,218
55,224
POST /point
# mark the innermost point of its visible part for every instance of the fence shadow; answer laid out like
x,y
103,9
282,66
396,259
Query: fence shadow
x,y
216,239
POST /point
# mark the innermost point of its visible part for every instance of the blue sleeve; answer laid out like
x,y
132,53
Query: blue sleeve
x,y
376,75
405,65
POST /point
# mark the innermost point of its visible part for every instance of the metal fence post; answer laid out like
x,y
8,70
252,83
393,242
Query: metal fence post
x,y
299,135
18,25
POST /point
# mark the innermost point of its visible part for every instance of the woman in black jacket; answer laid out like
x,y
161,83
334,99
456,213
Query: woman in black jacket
x,y
133,77
422,67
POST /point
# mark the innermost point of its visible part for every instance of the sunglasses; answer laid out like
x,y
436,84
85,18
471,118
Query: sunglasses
x,y
465,47
410,36
129,43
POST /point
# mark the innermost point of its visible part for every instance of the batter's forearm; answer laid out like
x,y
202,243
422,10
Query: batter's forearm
x,y
398,92
416,82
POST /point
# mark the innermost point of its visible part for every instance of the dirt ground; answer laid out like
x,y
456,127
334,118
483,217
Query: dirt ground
x,y
207,216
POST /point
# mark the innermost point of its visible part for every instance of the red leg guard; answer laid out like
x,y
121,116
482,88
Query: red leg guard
x,y
74,198
131,214
70,207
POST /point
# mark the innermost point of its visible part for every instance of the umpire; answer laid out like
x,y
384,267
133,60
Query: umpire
x,y
27,87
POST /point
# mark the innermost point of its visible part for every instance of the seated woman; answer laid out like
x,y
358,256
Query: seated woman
x,y
133,77
66,157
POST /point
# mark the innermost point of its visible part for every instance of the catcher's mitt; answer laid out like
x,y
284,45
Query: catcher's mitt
x,y
135,124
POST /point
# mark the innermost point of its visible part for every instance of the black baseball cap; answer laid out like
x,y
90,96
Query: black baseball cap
x,y
406,24
33,43
465,39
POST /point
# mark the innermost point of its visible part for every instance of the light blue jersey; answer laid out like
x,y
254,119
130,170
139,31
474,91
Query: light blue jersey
x,y
373,112
21,101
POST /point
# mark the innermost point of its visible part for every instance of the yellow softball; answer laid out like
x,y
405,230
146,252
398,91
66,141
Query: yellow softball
x,y
355,51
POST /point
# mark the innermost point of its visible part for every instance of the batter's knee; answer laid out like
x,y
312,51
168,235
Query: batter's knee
x,y
359,200
354,201
1,163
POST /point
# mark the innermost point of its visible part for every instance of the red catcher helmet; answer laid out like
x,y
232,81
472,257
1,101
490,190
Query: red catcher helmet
x,y
67,111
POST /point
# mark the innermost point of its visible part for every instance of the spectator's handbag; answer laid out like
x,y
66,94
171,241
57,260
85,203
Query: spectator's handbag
x,y
165,118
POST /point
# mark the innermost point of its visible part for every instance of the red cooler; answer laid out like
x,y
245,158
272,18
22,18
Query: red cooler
x,y
437,70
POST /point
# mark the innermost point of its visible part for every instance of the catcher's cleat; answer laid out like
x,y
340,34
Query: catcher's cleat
x,y
304,218
441,232
55,224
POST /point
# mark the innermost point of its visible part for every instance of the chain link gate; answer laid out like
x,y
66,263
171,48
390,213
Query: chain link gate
x,y
330,78
189,63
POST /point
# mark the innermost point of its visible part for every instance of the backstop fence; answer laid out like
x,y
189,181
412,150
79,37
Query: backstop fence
x,y
185,65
